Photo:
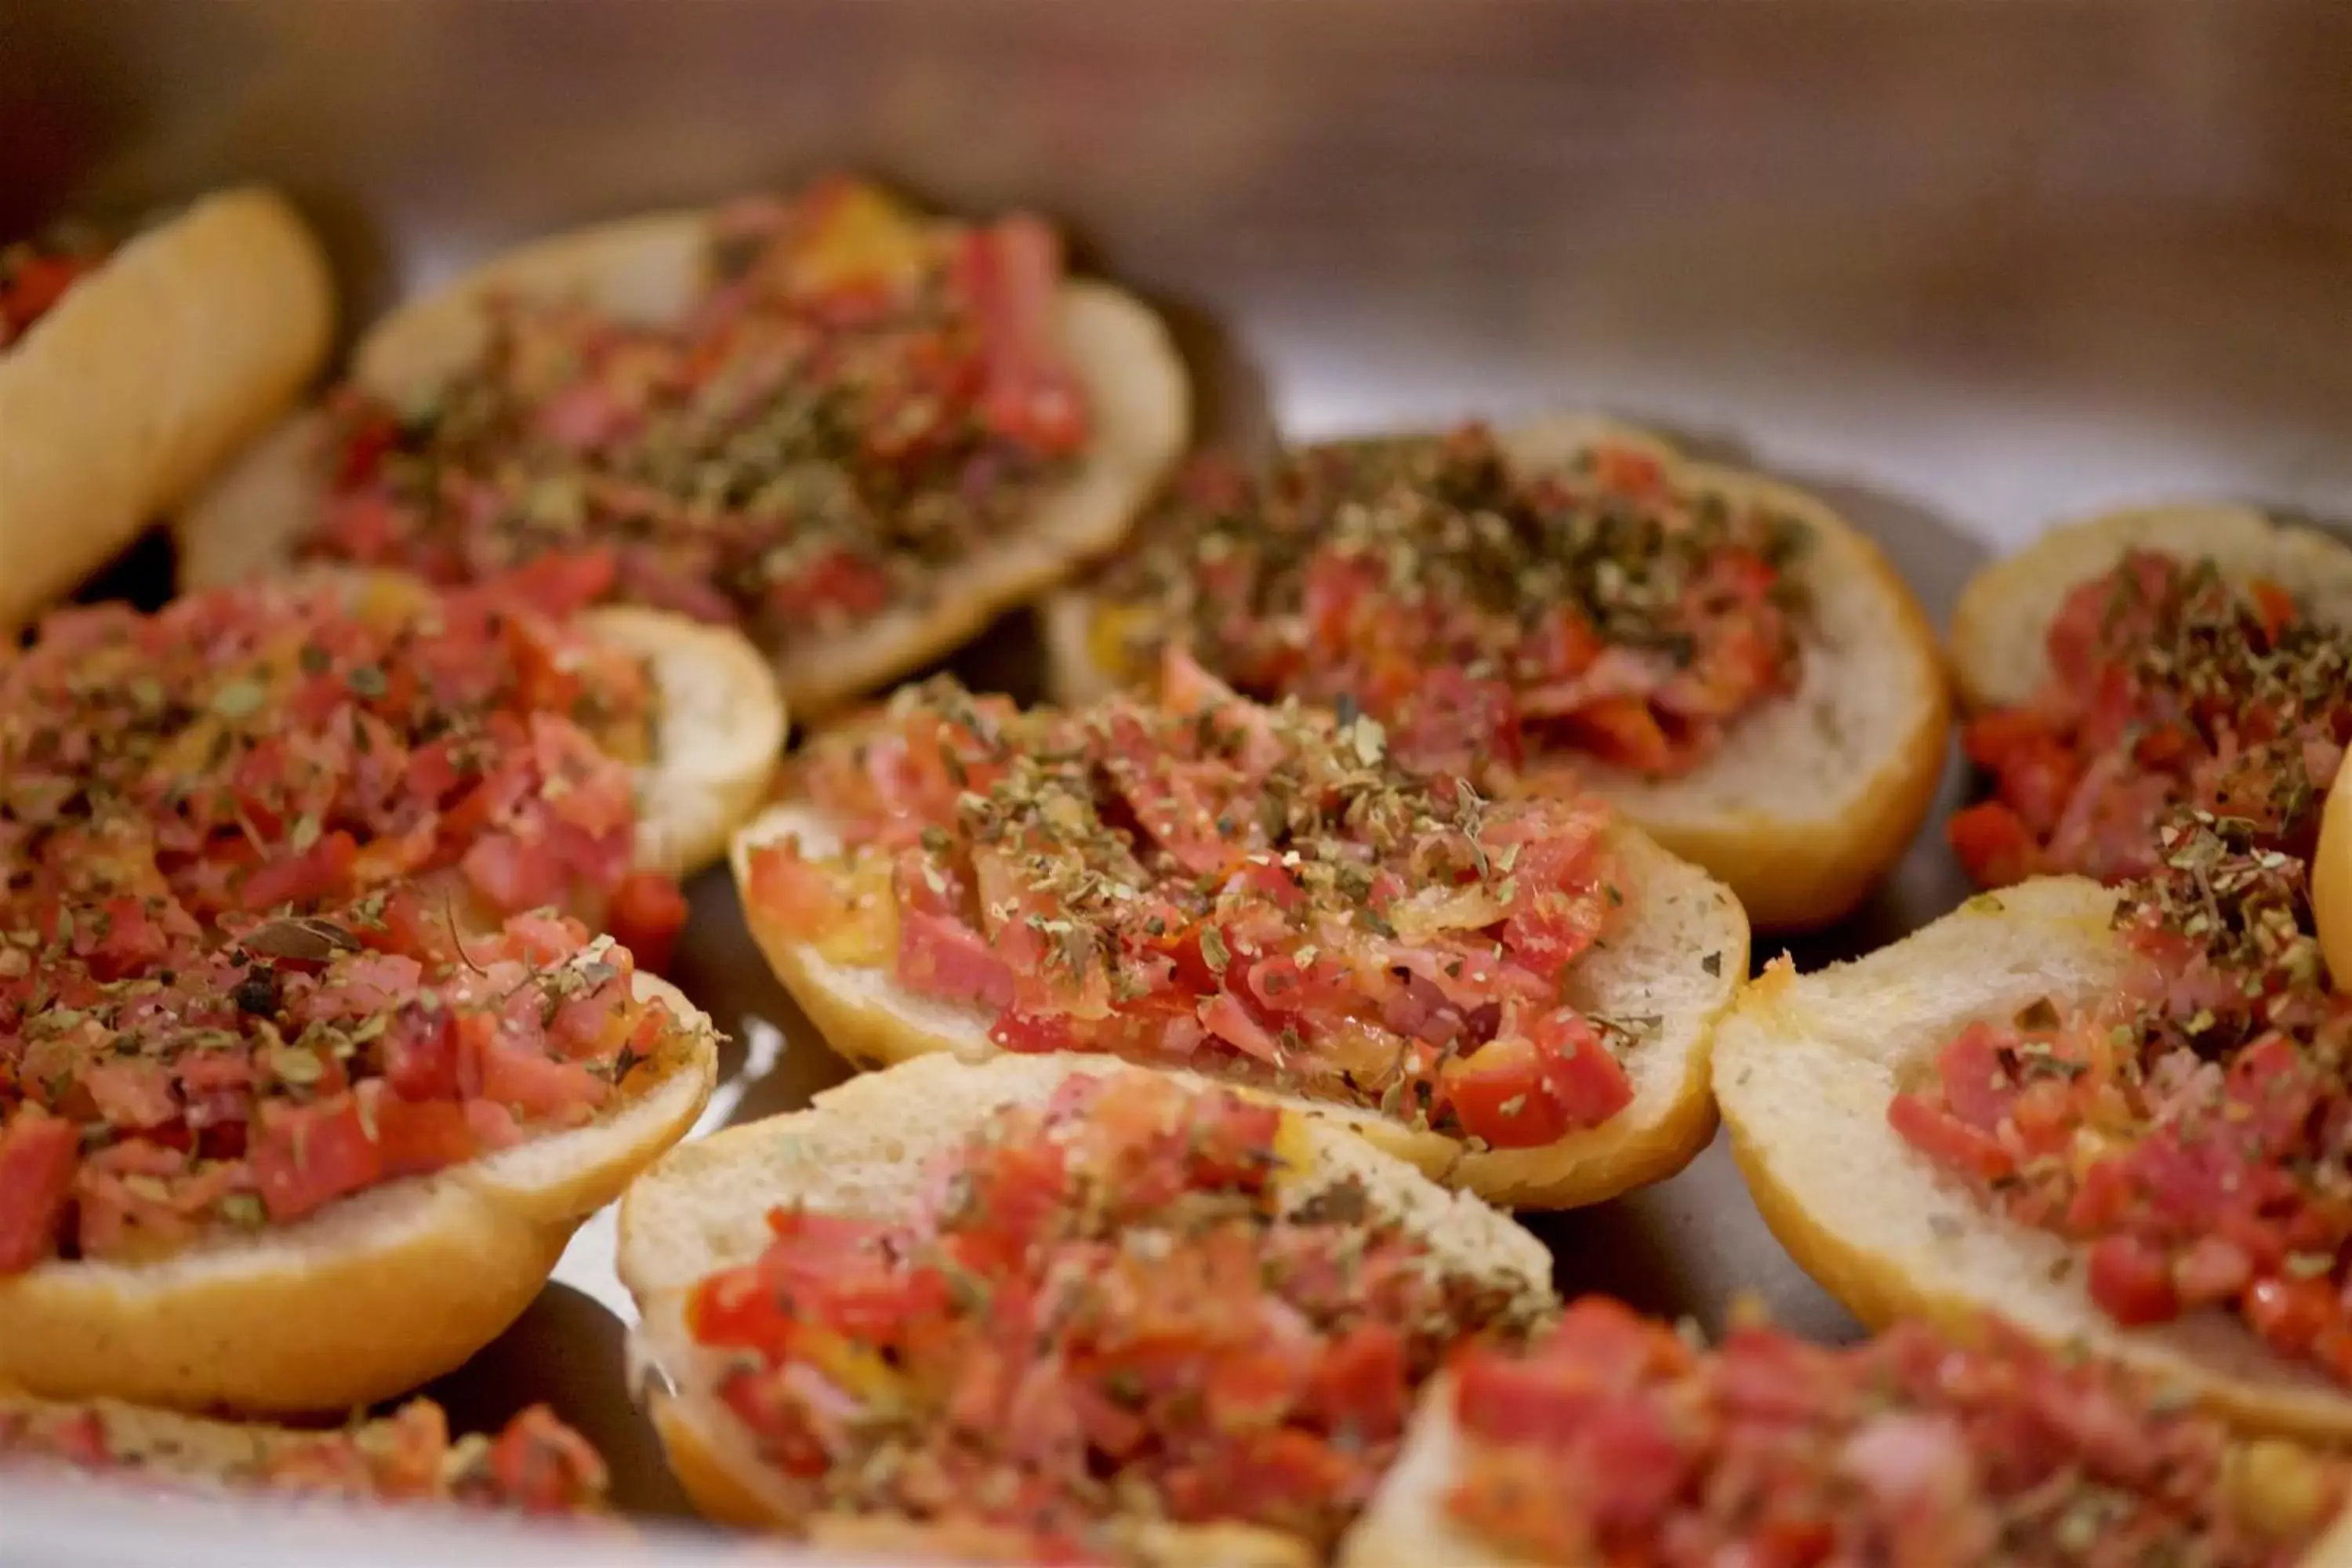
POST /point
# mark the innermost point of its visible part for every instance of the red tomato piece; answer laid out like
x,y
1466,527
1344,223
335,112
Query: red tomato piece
x,y
2132,1281
544,1466
1949,1142
33,290
942,957
1624,732
799,895
840,581
1360,1383
648,911
38,1156
529,1083
418,1137
1497,1093
422,1054
2291,1314
307,877
1995,846
304,1157
555,583
1036,1034
512,874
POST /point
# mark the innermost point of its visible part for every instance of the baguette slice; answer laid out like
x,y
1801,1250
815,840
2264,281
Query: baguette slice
x,y
2000,628
189,342
368,1297
1408,1525
1657,966
651,270
1804,1069
149,1446
856,1151
1814,796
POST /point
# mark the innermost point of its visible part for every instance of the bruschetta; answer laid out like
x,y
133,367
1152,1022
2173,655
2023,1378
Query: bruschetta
x,y
1514,994
287,1024
2124,668
311,738
1613,1439
1052,1309
128,371
2115,1116
1721,656
535,1465
855,435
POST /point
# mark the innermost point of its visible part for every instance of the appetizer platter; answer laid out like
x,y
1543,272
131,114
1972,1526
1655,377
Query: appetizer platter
x,y
749,863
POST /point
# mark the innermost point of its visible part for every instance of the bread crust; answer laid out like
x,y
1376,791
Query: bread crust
x,y
650,269
2001,627
370,1297
1804,1069
719,732
1829,834
855,1150
1680,915
186,344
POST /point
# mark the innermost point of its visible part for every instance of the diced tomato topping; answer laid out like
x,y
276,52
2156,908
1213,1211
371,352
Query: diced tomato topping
x,y
2132,1281
648,911
2175,1129
944,958
530,1084
799,895
417,1137
840,582
1012,275
1032,1033
304,1157
1191,882
537,1465
542,1466
1968,1150
555,583
38,1156
1105,1291
308,875
1772,1453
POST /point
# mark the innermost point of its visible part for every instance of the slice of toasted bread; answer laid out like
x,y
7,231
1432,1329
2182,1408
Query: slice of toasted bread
x,y
651,270
372,1296
1804,1069
148,1446
1814,795
857,1151
1679,958
2000,628
1408,1525
186,344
